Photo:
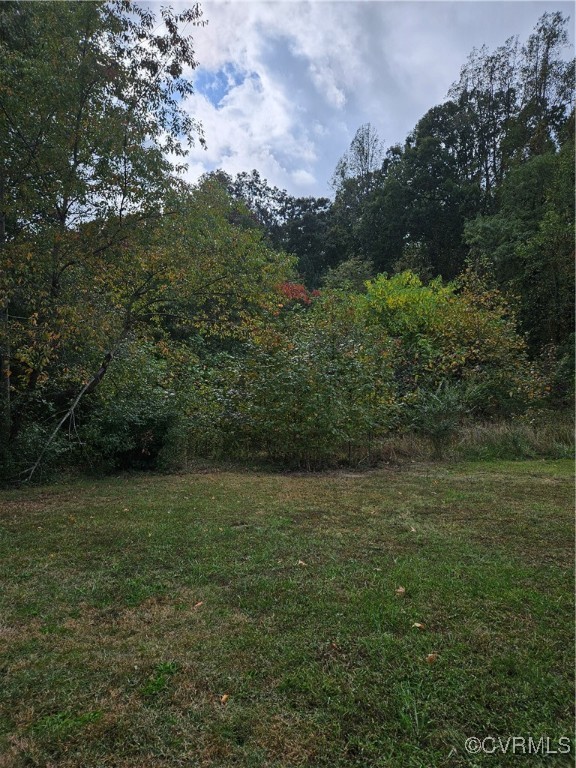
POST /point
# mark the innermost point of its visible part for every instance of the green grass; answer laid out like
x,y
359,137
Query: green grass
x,y
244,619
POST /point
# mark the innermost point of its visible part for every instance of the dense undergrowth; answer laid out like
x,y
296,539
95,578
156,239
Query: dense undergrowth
x,y
404,369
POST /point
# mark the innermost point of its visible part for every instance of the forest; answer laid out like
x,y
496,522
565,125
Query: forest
x,y
148,323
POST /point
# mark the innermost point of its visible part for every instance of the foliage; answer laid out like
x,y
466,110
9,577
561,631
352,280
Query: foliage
x,y
324,381
516,99
222,279
313,393
195,274
90,101
424,198
509,106
304,232
350,275
296,225
362,160
126,423
461,332
144,321
528,246
437,414
90,98
296,292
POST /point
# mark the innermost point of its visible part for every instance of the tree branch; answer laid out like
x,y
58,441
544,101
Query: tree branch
x,y
88,387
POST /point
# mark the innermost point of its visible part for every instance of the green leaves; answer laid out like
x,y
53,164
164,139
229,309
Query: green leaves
x,y
403,305
455,332
527,248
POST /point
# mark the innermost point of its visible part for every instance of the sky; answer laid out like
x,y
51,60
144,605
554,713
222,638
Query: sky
x,y
283,86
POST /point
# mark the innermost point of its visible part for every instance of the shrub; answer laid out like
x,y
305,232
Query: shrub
x,y
460,332
130,415
438,414
308,394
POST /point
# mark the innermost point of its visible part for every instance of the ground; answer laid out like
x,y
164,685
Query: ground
x,y
243,618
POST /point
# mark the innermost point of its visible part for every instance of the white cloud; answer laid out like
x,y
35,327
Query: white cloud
x,y
253,126
303,178
296,79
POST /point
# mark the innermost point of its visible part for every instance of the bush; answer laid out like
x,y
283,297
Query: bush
x,y
460,332
130,415
31,443
438,414
312,392
316,383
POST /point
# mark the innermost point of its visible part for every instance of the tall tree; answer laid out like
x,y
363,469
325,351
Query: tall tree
x,y
362,159
486,94
265,202
528,246
90,102
415,217
508,106
516,99
357,175
296,225
546,85
304,233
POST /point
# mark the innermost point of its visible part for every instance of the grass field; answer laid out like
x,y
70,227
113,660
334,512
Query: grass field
x,y
250,619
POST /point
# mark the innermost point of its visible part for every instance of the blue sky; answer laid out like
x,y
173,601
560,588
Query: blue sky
x,y
283,86
215,85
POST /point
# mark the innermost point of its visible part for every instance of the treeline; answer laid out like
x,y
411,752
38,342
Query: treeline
x,y
485,180
146,322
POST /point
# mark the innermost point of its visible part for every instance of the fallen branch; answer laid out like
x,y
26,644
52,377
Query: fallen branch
x,y
88,387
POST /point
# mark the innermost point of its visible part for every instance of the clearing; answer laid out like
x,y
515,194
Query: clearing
x,y
272,620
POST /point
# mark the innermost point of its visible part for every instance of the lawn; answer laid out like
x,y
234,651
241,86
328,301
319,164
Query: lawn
x,y
231,618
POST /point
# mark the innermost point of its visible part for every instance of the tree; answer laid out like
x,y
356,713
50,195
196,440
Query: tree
x,y
356,175
507,106
546,86
296,225
486,94
362,159
208,286
220,278
350,275
90,102
423,199
266,203
383,228
461,333
195,280
516,100
528,246
304,233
